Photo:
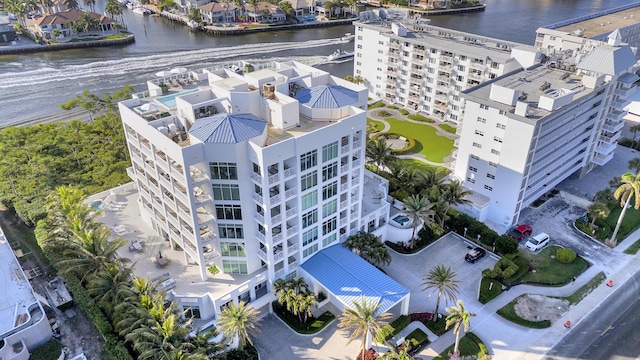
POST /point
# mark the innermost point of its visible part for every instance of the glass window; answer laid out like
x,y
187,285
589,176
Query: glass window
x,y
309,180
310,218
330,208
310,250
328,226
234,266
309,236
329,190
329,171
228,212
226,192
309,200
232,249
329,239
308,160
329,151
223,171
230,231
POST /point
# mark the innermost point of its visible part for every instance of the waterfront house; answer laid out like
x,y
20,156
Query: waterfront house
x,y
7,32
265,12
63,22
215,12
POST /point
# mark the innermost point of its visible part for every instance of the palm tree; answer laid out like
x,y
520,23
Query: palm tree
x,y
399,353
459,318
629,188
378,153
455,194
364,320
598,210
71,4
303,305
369,247
634,129
110,286
239,322
417,208
441,279
634,164
91,4
161,337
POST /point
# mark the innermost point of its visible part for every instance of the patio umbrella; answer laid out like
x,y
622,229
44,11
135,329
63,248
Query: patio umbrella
x,y
149,107
179,70
164,73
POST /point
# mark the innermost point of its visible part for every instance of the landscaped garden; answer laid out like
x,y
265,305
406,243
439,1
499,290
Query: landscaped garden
x,y
633,249
548,269
295,306
374,126
470,345
434,147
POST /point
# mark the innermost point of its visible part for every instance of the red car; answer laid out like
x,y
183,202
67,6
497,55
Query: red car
x,y
520,232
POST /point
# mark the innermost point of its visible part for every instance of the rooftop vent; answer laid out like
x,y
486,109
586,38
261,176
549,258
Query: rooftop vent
x,y
544,86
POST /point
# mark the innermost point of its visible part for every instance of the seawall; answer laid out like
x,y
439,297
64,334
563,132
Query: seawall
x,y
65,46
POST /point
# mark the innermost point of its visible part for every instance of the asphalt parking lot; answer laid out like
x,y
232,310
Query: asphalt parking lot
x,y
408,270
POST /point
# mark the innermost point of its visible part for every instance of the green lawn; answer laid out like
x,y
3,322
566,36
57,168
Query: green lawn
x,y
487,295
433,146
413,163
549,271
629,223
374,126
633,249
470,345
585,289
377,104
438,327
418,117
448,128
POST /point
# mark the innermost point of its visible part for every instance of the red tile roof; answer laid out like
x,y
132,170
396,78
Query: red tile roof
x,y
70,15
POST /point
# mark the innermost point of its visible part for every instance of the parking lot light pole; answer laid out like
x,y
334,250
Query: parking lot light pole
x,y
478,238
494,247
465,232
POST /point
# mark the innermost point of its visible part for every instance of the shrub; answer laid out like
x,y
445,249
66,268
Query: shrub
x,y
565,255
400,323
49,351
503,269
404,112
392,107
506,245
385,333
418,117
384,113
423,317
321,297
377,104
400,194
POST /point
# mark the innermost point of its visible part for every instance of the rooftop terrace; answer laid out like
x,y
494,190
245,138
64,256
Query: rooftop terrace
x,y
603,22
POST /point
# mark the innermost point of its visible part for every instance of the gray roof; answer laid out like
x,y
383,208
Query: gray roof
x,y
228,128
348,277
327,96
608,60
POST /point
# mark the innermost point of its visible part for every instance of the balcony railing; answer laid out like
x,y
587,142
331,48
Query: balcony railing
x,y
357,143
262,254
275,198
289,172
274,178
343,204
260,218
345,149
344,168
257,197
256,177
344,187
277,237
290,193
292,230
276,219
260,236
293,265
291,212
278,256
279,273
292,248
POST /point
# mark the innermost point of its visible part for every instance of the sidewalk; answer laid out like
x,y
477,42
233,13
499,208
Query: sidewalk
x,y
506,340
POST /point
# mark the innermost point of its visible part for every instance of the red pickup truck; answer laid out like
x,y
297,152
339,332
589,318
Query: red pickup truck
x,y
520,232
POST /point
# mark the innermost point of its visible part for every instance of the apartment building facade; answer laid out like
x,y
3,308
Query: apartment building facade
x,y
527,131
254,174
425,68
24,325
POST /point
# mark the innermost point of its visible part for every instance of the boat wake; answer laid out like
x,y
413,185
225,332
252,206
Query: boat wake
x,y
152,63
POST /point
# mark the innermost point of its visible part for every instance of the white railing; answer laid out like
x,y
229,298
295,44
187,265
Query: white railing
x,y
276,219
344,150
293,265
344,168
275,198
274,178
277,238
343,204
262,255
356,144
279,273
291,212
257,197
260,218
292,248
292,230
278,256
290,192
256,177
344,187
260,235
289,172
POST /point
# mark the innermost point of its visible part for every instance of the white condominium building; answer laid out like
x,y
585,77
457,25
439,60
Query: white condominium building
x,y
253,174
527,131
23,323
425,68
622,23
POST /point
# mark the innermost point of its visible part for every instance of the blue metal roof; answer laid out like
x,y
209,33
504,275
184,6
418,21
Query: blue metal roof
x,y
348,277
228,128
327,96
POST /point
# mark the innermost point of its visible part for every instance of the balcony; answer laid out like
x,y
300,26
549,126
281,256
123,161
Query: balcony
x,y
356,144
605,149
260,218
601,159
391,81
616,115
293,265
289,172
210,255
278,256
344,168
262,254
292,248
274,178
477,66
260,236
257,197
344,187
256,177
625,93
292,230
609,139
474,76
198,177
290,212
343,204
394,45
446,58
612,127
278,274
290,193
276,219
345,149
354,199
275,198
620,103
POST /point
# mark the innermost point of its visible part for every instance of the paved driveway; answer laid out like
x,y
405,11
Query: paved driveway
x,y
409,270
277,341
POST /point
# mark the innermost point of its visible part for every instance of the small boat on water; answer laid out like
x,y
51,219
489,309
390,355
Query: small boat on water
x,y
141,10
192,24
340,55
347,37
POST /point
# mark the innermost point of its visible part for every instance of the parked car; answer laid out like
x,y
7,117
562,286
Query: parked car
x,y
537,242
475,254
520,232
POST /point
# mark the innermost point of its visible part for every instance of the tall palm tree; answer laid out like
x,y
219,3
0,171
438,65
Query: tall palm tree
x,y
634,164
417,208
441,279
369,247
239,322
91,4
634,129
378,153
629,188
399,353
163,335
459,318
364,320
110,286
71,4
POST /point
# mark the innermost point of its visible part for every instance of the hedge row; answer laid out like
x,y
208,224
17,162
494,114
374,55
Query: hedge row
x,y
458,221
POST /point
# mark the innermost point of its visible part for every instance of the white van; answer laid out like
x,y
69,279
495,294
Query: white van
x,y
537,242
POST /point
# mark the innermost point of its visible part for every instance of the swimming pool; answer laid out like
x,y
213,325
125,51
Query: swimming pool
x,y
169,101
96,205
401,221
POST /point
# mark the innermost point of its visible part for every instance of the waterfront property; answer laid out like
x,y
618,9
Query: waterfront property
x,y
243,180
7,31
24,325
62,25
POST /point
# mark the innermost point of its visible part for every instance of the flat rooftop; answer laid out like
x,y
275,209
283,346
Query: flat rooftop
x,y
529,83
452,40
16,295
603,22
122,212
